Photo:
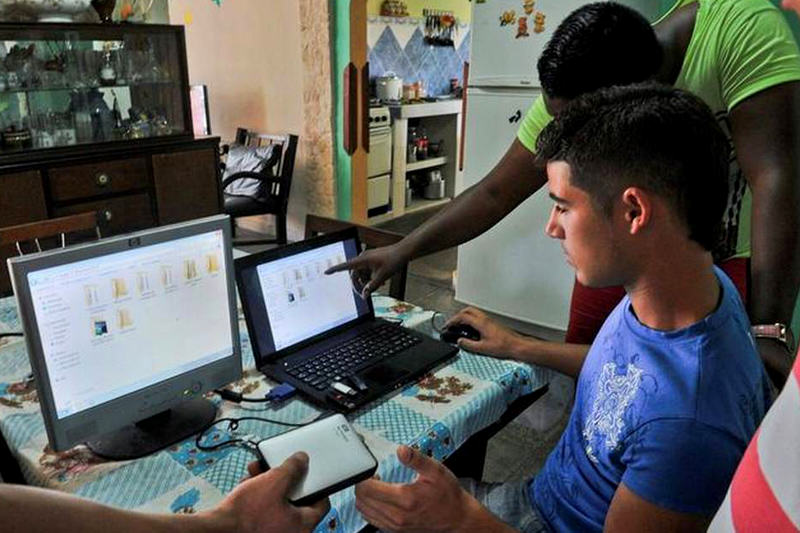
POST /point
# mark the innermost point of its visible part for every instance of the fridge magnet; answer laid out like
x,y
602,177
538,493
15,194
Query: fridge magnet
x,y
508,17
522,28
538,22
126,11
527,5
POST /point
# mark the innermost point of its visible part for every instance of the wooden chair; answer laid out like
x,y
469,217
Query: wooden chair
x,y
35,232
276,178
370,238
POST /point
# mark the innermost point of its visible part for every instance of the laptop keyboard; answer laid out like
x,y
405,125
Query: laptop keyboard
x,y
340,361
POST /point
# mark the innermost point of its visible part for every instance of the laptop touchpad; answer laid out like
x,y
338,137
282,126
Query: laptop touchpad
x,y
383,374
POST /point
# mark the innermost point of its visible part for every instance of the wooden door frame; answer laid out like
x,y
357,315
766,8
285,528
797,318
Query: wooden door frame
x,y
350,81
358,56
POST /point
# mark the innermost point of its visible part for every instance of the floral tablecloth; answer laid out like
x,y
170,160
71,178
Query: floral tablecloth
x,y
436,414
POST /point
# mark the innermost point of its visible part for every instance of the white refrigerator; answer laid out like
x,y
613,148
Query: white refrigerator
x,y
514,269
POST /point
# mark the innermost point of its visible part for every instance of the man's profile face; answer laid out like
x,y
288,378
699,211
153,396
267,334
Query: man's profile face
x,y
585,232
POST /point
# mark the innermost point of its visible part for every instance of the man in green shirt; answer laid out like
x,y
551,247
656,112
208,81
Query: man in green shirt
x,y
739,56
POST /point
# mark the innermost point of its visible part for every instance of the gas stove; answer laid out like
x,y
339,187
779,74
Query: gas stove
x,y
379,117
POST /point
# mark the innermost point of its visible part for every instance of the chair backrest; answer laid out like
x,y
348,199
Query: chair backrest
x,y
35,232
370,238
280,188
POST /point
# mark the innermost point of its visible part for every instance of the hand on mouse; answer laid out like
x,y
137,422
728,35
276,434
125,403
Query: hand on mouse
x,y
496,340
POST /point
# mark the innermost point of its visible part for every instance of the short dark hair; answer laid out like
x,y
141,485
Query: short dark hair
x,y
659,138
598,45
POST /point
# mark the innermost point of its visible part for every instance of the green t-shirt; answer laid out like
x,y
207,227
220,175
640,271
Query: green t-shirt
x,y
738,48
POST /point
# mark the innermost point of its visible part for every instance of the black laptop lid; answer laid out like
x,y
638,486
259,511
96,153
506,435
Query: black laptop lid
x,y
288,300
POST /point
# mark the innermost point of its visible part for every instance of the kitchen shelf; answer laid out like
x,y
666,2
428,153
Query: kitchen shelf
x,y
418,204
426,163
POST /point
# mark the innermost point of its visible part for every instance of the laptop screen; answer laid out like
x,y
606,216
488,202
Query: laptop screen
x,y
291,300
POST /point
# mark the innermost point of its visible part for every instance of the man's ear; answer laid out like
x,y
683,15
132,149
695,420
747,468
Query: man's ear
x,y
637,208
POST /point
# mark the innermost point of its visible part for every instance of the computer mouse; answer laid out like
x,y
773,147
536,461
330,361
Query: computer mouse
x,y
452,333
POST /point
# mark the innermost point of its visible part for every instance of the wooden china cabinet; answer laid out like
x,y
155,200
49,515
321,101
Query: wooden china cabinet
x,y
97,118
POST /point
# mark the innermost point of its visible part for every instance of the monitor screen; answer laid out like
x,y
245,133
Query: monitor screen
x,y
125,321
126,329
293,300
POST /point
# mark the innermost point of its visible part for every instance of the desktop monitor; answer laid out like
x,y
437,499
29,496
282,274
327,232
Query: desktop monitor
x,y
125,335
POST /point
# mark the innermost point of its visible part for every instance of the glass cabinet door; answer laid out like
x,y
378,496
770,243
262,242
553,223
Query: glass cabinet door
x,y
63,85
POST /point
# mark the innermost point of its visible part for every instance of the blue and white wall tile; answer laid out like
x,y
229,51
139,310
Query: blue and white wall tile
x,y
397,45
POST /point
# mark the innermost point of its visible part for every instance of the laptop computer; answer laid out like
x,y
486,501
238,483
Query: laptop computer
x,y
315,332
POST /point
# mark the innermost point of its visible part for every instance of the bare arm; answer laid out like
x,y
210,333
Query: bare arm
x,y
560,356
474,211
766,134
629,512
30,509
499,341
258,505
515,177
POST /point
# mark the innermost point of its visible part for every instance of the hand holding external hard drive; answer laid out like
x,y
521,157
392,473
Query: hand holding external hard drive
x,y
337,457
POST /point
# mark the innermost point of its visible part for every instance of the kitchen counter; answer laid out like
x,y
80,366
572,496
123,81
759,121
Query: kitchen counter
x,y
426,109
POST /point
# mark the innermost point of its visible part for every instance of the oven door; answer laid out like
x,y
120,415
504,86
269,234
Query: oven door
x,y
379,159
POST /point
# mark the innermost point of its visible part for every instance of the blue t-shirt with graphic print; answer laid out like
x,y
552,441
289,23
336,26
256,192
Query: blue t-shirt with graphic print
x,y
667,413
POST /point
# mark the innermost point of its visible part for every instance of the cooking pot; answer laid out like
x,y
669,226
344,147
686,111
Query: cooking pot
x,y
389,87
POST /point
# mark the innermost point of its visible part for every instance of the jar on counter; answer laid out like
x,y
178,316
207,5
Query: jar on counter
x,y
409,92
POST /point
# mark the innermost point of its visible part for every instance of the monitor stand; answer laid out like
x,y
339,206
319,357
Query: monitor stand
x,y
156,432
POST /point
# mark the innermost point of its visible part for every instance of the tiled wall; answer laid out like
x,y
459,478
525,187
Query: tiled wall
x,y
400,47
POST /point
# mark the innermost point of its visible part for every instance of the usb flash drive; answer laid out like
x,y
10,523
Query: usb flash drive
x,y
344,389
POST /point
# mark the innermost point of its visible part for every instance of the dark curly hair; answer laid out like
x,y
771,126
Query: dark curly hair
x,y
598,45
652,136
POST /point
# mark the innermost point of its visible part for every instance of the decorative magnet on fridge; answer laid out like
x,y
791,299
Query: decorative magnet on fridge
x,y
538,22
522,29
527,5
508,17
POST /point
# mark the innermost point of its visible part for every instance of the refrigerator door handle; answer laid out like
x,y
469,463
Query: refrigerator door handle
x,y
465,83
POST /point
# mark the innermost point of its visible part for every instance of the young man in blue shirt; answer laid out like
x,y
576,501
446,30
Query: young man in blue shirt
x,y
672,388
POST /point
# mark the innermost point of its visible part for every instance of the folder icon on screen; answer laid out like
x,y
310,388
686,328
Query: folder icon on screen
x,y
119,288
166,276
124,319
189,269
212,263
90,293
143,280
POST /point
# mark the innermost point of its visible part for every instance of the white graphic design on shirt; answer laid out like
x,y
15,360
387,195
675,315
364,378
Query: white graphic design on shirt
x,y
614,393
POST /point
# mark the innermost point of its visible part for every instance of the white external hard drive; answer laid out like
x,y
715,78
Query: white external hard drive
x,y
337,457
